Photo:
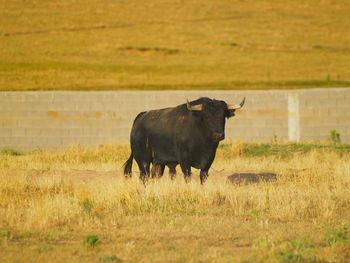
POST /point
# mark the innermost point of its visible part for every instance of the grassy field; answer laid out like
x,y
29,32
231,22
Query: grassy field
x,y
118,44
75,206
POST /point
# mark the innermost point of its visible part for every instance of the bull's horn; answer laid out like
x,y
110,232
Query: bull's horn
x,y
237,106
195,107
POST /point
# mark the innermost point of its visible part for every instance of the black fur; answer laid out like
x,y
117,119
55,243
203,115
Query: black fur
x,y
176,135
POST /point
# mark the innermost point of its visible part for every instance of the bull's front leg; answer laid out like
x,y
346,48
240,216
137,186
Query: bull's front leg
x,y
203,175
204,171
172,170
186,169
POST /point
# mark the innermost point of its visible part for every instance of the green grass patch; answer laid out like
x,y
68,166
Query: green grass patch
x,y
11,152
337,235
293,251
286,150
92,241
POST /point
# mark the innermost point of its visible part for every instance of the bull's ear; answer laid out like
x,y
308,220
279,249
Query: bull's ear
x,y
229,113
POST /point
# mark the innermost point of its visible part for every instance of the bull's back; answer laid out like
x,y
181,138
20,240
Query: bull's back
x,y
158,130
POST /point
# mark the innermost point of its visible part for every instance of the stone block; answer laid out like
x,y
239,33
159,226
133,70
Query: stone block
x,y
342,102
39,123
337,111
46,96
43,106
46,132
76,132
14,106
18,132
12,141
8,122
6,105
65,142
101,140
74,123
260,123
5,132
307,131
307,112
276,123
82,106
73,96
12,96
40,141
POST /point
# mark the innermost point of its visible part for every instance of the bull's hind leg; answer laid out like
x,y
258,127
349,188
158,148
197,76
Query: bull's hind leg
x,y
157,170
144,170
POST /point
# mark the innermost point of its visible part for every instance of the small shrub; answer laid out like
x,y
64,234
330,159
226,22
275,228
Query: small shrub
x,y
256,213
43,248
10,152
333,236
334,137
274,139
92,241
296,251
87,206
113,258
293,251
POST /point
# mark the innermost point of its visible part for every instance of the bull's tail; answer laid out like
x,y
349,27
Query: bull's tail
x,y
128,165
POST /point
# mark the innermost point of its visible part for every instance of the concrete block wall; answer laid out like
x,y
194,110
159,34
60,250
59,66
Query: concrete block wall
x,y
55,120
323,110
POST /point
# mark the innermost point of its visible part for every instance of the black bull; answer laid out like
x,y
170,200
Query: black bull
x,y
188,134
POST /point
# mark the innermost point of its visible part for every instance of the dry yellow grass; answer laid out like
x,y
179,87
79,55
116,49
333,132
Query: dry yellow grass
x,y
112,45
46,213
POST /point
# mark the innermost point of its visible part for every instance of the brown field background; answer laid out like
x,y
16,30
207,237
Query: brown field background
x,y
118,44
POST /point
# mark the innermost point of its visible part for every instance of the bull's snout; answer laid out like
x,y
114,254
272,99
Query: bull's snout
x,y
218,136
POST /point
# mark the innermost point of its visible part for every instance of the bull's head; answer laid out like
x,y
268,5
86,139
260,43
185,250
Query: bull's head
x,y
199,107
213,114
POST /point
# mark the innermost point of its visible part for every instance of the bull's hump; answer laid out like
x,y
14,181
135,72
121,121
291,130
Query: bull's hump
x,y
162,113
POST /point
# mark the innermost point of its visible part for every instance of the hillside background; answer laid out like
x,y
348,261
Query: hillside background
x,y
156,45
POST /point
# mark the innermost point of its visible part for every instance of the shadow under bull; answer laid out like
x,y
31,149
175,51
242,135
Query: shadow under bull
x,y
248,178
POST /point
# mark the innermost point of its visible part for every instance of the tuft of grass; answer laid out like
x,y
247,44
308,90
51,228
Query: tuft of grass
x,y
10,152
293,251
92,241
296,251
337,235
87,206
334,137
256,213
44,248
113,258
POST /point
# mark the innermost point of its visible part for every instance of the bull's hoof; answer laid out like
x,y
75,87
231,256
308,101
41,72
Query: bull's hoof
x,y
128,176
248,178
187,179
